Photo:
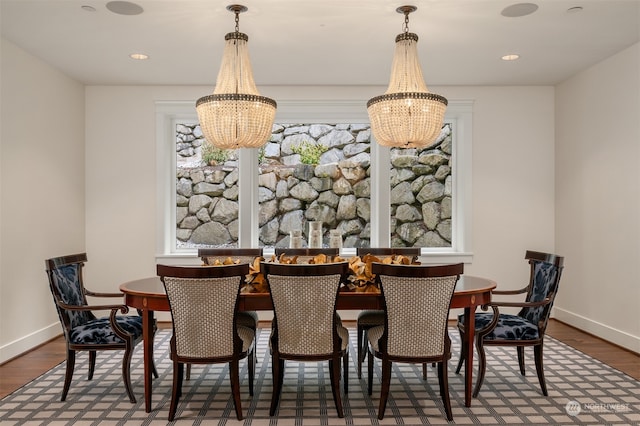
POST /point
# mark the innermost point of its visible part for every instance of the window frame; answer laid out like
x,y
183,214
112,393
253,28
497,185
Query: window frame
x,y
459,114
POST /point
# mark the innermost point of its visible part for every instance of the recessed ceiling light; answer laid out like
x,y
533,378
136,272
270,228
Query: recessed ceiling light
x,y
139,56
87,8
124,8
510,57
519,9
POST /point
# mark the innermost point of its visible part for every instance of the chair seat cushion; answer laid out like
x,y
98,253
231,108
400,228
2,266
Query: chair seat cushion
x,y
99,331
509,327
247,319
246,335
370,318
374,334
344,337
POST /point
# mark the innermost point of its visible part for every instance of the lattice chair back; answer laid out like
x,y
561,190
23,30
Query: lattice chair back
x,y
417,300
65,282
203,307
304,301
544,279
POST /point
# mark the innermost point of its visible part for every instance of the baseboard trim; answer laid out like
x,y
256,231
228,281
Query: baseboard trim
x,y
29,342
603,331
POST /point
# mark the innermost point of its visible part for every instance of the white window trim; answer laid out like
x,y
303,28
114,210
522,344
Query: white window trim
x,y
459,114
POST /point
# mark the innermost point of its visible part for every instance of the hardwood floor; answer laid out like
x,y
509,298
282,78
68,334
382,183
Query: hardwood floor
x,y
20,371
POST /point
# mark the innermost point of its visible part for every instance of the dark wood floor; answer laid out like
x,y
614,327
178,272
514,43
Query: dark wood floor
x,y
20,371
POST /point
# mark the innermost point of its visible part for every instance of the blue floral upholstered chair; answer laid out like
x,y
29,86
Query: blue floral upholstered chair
x,y
81,329
527,328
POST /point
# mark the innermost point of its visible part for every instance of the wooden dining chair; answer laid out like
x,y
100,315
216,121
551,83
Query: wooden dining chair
x,y
204,303
374,317
82,330
528,326
416,303
306,326
217,256
304,255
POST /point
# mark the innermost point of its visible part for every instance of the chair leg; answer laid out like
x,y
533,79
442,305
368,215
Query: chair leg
x,y
277,374
537,351
443,380
345,368
92,364
520,350
463,351
361,346
252,367
176,389
386,384
234,373
71,362
188,372
154,371
369,372
126,372
424,371
334,374
482,365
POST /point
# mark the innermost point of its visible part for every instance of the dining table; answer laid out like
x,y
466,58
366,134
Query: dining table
x,y
148,295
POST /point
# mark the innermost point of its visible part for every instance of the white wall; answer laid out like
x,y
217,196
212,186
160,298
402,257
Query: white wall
x,y
598,198
42,192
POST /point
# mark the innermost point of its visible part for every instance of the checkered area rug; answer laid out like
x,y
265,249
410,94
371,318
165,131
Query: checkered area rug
x,y
581,391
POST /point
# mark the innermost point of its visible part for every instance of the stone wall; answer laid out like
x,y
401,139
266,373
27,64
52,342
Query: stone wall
x,y
336,191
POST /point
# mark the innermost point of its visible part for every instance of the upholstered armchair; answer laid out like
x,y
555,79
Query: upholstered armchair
x,y
82,330
528,326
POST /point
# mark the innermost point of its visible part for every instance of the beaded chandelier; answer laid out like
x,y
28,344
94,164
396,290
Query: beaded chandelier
x,y
235,115
407,115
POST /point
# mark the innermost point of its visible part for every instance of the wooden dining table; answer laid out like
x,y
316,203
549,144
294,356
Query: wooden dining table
x,y
148,295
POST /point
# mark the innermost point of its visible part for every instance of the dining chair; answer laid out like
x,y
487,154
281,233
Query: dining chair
x,y
217,256
305,255
82,330
416,303
306,326
374,317
203,304
528,326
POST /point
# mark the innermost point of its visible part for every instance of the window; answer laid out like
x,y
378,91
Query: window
x,y
244,201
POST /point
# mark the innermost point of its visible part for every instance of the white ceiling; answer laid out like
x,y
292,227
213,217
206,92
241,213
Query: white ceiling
x,y
321,42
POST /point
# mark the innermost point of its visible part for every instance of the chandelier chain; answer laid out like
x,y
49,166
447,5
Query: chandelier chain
x,y
406,21
237,12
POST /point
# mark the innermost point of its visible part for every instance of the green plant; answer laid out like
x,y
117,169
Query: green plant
x,y
213,155
309,153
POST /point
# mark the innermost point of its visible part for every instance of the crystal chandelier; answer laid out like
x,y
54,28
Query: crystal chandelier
x,y
407,115
235,115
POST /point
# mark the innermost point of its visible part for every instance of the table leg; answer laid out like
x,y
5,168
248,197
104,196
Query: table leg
x,y
147,345
469,335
